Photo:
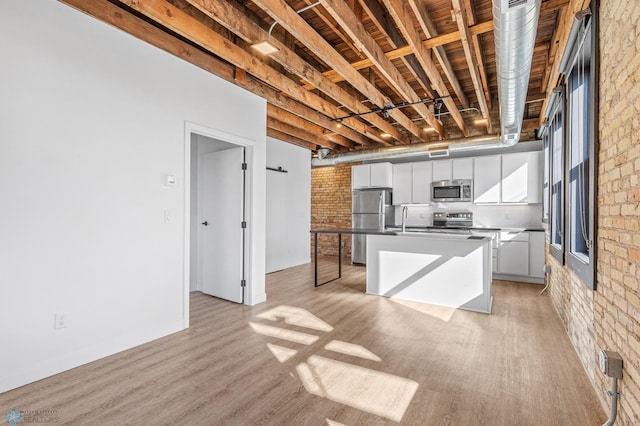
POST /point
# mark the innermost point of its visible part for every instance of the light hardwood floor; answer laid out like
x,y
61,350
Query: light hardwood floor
x,y
332,356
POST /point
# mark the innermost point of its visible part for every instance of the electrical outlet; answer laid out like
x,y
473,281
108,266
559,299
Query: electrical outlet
x,y
60,321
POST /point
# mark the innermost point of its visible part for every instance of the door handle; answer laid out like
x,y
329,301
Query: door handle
x,y
205,223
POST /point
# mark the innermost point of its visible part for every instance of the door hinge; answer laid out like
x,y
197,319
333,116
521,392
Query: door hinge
x,y
243,224
244,166
243,283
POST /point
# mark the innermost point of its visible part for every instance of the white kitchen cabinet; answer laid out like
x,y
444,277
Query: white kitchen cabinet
x,y
494,235
441,170
513,253
536,254
412,183
376,175
360,176
522,178
421,182
402,183
462,168
486,179
457,168
381,175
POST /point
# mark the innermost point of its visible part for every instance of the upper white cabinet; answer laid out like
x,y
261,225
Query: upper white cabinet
x,y
412,183
486,179
421,179
376,175
462,168
457,168
522,177
402,183
441,170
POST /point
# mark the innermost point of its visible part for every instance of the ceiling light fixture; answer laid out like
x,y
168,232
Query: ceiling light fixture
x,y
389,106
385,135
322,152
265,46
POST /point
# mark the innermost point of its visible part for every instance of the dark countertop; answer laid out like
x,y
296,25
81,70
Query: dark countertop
x,y
396,231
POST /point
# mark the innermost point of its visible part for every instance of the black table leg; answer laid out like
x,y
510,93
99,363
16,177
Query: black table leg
x,y
315,259
339,255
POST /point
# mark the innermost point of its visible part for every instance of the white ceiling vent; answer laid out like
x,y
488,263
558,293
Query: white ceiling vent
x,y
512,4
437,153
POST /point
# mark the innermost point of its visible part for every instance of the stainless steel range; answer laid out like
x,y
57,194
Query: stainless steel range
x,y
453,219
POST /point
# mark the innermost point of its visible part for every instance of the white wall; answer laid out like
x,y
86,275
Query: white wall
x,y
90,121
288,205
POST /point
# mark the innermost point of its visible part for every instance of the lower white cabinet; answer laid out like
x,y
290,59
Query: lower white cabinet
x,y
536,254
513,253
521,254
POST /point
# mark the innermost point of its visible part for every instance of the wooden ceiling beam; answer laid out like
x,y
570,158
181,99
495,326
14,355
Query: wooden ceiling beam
x,y
386,26
475,41
400,52
292,130
280,135
111,14
173,18
460,15
288,18
354,28
233,19
429,30
397,9
572,8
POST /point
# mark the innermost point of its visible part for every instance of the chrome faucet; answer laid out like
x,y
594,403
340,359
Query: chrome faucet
x,y
405,212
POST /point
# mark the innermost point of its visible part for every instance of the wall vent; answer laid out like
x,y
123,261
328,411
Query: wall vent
x,y
512,4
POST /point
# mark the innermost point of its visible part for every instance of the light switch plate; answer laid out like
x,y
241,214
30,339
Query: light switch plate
x,y
170,180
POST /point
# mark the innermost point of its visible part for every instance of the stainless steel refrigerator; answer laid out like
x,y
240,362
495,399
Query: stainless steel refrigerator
x,y
371,209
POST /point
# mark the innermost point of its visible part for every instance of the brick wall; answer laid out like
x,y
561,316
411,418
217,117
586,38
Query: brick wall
x,y
609,318
331,206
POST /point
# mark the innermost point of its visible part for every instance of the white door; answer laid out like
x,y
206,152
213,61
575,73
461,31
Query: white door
x,y
221,216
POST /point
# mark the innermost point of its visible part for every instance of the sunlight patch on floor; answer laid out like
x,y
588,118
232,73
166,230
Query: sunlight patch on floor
x,y
334,423
442,313
281,333
351,349
296,316
375,392
281,353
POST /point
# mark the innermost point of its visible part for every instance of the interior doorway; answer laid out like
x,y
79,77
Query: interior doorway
x,y
217,218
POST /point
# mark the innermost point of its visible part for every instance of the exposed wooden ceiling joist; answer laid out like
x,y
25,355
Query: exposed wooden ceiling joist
x,y
349,22
429,29
400,14
460,15
288,18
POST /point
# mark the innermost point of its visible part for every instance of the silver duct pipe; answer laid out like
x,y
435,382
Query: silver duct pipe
x,y
403,151
515,25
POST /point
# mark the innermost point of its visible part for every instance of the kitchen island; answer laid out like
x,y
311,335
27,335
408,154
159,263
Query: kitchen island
x,y
446,269
442,269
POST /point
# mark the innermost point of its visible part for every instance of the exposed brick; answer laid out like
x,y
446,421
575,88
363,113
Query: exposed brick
x,y
609,318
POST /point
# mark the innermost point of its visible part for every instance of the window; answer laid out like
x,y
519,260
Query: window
x,y
555,137
580,189
570,143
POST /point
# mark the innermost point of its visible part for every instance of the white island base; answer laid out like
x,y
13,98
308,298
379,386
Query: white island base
x,y
440,269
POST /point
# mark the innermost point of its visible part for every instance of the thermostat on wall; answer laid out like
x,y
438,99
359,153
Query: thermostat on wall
x,y
169,180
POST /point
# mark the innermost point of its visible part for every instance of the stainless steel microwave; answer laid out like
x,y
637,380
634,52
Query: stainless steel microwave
x,y
451,190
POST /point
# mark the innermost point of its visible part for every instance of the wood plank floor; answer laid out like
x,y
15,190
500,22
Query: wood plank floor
x,y
332,356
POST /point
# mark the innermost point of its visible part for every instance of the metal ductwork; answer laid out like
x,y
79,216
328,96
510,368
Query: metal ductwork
x,y
403,151
515,24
